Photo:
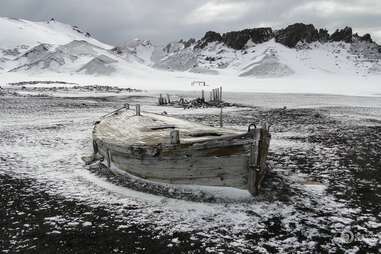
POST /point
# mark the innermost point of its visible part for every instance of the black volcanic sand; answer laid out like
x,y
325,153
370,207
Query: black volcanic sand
x,y
338,146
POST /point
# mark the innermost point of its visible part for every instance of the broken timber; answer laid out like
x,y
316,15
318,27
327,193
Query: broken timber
x,y
215,100
169,150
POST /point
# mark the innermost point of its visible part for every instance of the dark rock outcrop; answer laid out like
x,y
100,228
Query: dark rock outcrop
x,y
262,34
365,38
187,43
210,36
323,35
289,36
36,52
238,39
117,50
295,33
342,35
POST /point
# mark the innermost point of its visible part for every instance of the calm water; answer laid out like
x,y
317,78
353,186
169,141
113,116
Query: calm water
x,y
277,100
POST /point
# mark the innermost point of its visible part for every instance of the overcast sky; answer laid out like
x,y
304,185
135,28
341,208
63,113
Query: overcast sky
x,y
115,21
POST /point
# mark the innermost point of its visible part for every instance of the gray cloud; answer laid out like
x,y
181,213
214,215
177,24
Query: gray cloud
x,y
115,21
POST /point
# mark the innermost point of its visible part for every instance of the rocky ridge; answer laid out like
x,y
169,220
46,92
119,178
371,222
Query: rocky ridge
x,y
260,52
289,36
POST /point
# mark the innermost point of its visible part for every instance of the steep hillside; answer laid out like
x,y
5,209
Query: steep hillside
x,y
299,49
38,47
22,34
262,52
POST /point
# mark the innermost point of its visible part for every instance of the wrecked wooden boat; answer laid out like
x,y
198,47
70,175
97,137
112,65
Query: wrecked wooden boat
x,y
165,149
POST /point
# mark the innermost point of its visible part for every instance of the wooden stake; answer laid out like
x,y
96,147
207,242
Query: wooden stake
x,y
95,148
108,158
221,122
220,93
253,162
138,109
175,137
257,159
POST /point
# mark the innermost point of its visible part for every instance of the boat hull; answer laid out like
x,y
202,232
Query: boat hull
x,y
170,150
221,166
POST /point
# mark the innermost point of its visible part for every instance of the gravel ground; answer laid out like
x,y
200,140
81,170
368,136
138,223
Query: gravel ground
x,y
322,195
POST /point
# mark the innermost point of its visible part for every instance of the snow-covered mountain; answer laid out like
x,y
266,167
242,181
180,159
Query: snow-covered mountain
x,y
262,52
38,47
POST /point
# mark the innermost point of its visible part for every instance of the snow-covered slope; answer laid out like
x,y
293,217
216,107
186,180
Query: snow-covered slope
x,y
41,47
272,59
141,51
20,33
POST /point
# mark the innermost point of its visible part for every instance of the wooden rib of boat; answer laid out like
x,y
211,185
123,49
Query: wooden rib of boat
x,y
169,150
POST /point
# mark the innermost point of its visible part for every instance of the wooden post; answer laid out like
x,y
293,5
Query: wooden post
x,y
221,122
108,158
210,96
220,93
174,137
253,161
168,99
160,100
95,148
257,160
138,109
202,95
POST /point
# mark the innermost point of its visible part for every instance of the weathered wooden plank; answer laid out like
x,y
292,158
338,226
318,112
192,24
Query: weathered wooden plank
x,y
253,162
126,128
108,158
225,171
263,152
214,149
233,164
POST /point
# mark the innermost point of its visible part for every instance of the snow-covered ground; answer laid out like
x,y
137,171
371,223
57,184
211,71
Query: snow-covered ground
x,y
325,148
308,200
